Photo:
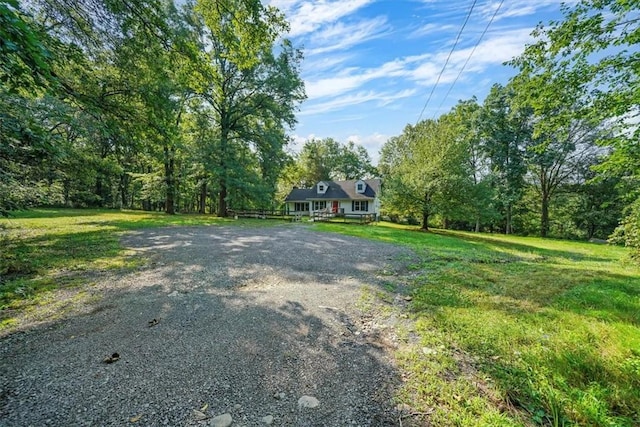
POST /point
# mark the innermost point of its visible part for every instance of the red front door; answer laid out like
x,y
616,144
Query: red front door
x,y
334,208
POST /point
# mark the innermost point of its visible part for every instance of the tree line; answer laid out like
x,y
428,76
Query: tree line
x,y
144,104
554,152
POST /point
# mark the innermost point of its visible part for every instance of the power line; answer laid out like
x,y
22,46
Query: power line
x,y
448,58
469,57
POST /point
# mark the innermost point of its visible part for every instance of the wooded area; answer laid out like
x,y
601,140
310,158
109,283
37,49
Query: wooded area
x,y
150,105
553,153
144,104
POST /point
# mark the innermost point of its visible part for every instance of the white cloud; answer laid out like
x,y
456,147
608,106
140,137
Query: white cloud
x,y
431,29
297,141
340,36
308,16
516,8
499,47
381,98
423,69
351,79
325,62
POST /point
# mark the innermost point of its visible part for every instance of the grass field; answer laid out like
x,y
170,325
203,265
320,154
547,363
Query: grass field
x,y
519,331
512,330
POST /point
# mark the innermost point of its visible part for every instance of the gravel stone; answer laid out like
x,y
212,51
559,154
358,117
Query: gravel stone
x,y
308,402
224,420
199,416
255,313
268,420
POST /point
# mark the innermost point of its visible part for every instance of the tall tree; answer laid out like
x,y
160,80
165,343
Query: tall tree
x,y
505,134
592,51
318,160
563,131
480,196
556,162
426,169
253,86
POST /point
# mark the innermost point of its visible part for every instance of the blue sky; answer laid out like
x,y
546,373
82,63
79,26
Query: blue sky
x,y
370,65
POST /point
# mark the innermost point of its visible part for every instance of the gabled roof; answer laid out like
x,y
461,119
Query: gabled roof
x,y
338,190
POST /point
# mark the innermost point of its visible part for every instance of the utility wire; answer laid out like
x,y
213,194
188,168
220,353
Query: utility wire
x,y
448,58
469,57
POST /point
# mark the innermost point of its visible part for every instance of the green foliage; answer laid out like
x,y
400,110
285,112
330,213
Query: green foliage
x,y
505,132
426,170
628,232
244,29
252,89
583,71
114,103
518,331
327,159
24,59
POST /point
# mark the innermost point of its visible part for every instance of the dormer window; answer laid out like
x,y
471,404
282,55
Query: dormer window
x,y
322,187
360,186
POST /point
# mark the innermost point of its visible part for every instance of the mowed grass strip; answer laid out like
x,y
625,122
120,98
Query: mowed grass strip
x,y
518,330
45,250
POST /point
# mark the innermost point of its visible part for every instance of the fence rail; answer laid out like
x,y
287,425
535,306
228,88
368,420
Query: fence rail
x,y
260,213
364,218
360,218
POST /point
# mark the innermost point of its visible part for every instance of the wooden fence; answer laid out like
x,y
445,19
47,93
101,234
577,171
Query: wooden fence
x,y
261,214
359,218
364,218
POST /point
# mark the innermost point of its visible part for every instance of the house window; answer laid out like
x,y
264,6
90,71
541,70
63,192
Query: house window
x,y
360,206
319,205
360,187
320,188
300,206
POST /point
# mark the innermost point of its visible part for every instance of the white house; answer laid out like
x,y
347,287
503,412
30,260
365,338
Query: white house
x,y
360,196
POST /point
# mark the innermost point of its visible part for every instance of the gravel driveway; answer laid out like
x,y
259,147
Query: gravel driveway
x,y
223,323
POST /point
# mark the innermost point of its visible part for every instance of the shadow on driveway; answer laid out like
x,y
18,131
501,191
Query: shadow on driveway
x,y
248,321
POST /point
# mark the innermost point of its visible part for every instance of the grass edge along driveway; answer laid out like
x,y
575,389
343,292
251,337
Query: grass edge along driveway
x,y
519,330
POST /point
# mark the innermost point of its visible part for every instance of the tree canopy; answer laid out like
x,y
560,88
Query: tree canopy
x,y
151,104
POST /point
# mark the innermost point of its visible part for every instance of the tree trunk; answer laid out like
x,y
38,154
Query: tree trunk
x,y
425,219
169,176
507,229
477,225
425,212
544,216
99,191
222,199
222,196
203,197
124,184
66,184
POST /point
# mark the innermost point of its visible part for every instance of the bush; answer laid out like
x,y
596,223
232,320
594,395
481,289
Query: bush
x,y
628,232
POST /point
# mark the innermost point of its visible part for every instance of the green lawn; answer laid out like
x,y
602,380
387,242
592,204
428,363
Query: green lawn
x,y
519,331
